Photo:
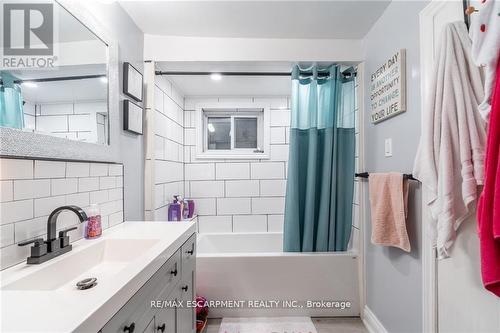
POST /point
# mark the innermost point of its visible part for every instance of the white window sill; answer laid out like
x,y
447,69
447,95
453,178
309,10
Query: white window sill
x,y
219,156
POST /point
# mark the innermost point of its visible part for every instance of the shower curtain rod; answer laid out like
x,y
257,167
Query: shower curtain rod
x,y
61,78
180,73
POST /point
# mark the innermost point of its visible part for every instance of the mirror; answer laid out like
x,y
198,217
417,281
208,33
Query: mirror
x,y
69,100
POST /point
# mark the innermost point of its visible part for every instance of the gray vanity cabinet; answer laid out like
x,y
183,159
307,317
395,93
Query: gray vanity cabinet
x,y
151,327
174,281
165,321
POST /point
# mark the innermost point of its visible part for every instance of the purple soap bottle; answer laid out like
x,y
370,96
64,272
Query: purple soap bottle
x,y
174,210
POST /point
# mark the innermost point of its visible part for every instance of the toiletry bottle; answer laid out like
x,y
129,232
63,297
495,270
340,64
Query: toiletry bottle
x,y
191,208
93,228
182,204
185,210
174,210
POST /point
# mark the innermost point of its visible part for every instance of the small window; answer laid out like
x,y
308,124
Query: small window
x,y
245,132
219,133
232,133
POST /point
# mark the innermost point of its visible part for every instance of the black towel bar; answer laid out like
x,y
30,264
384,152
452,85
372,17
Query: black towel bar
x,y
366,175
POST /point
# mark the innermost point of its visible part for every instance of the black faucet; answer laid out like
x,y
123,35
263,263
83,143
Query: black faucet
x,y
42,250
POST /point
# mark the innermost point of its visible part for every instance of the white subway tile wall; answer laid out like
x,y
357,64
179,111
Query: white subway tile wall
x,y
230,195
168,157
77,121
31,189
239,196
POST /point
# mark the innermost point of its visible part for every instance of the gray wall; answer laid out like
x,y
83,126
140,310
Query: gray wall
x,y
394,277
130,39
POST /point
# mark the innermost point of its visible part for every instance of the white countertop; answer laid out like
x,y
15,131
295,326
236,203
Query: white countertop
x,y
69,309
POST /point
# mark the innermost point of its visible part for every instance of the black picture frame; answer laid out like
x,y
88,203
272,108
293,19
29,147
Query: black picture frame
x,y
133,117
131,85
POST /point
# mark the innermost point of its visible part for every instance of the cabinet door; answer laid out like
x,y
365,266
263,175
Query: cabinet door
x,y
165,320
186,314
188,255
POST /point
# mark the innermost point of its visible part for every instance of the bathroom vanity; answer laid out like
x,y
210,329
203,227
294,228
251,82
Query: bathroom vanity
x,y
160,305
143,271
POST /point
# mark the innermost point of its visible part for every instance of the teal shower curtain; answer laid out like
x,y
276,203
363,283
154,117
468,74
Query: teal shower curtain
x,y
318,206
11,103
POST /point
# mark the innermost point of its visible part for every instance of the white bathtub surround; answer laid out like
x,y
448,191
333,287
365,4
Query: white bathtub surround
x,y
168,152
31,189
80,120
239,195
251,266
230,195
123,259
265,324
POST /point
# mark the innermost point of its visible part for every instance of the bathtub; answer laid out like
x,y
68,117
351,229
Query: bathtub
x,y
248,274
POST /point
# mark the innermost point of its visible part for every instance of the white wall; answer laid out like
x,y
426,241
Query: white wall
x,y
235,195
31,189
173,48
130,39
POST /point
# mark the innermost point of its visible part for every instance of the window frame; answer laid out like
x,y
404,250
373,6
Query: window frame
x,y
232,111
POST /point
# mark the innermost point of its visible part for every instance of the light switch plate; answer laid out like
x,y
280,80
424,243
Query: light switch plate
x,y
388,147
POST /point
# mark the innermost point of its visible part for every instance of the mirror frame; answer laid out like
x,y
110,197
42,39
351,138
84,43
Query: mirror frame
x,y
22,144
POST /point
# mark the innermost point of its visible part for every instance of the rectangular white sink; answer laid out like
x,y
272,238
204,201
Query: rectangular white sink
x,y
102,260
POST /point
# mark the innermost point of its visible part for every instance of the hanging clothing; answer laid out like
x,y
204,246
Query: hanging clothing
x,y
318,206
389,209
11,103
450,157
485,35
488,215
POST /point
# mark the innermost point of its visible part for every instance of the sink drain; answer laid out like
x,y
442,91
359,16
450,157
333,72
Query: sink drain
x,y
86,283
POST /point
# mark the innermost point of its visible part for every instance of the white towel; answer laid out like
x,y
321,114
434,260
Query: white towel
x,y
451,153
486,47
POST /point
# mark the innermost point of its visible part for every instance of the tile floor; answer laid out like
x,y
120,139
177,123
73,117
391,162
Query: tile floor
x,y
323,325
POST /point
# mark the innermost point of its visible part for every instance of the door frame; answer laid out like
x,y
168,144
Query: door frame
x,y
431,19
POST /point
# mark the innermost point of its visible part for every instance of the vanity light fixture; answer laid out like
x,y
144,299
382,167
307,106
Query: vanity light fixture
x,y
216,76
29,84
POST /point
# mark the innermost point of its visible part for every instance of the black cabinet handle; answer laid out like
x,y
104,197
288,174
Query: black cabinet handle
x,y
185,288
161,328
190,252
130,328
174,272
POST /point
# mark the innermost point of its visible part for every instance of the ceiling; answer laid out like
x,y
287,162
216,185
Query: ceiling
x,y
327,19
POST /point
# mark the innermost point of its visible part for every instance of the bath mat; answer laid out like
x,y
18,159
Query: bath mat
x,y
267,325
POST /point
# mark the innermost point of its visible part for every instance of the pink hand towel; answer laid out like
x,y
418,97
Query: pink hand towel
x,y
389,203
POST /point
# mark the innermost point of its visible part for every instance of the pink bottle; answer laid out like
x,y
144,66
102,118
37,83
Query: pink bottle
x,y
93,228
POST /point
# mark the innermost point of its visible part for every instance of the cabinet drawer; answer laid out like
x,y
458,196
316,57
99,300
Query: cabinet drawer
x,y
137,312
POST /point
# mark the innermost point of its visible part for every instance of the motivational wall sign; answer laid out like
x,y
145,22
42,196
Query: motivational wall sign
x,y
388,88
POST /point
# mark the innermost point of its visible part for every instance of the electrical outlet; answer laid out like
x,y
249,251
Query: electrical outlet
x,y
388,147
